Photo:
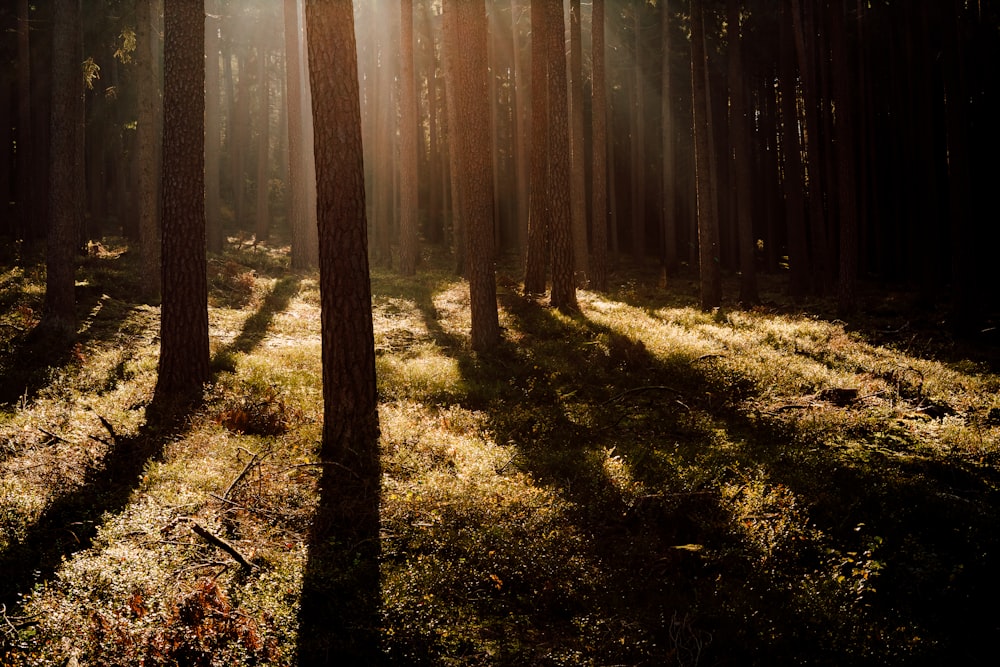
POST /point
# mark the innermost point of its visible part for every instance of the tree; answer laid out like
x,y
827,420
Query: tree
x,y
409,250
708,221
213,198
668,211
578,188
184,351
148,146
65,170
599,191
563,294
845,161
476,181
538,225
338,613
262,208
739,137
304,242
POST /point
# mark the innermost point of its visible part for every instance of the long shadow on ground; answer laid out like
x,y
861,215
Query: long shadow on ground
x,y
886,558
70,523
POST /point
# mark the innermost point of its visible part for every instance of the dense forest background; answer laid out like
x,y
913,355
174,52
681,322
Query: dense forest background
x,y
836,142
454,332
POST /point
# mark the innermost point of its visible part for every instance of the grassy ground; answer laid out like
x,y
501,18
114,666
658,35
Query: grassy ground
x,y
639,484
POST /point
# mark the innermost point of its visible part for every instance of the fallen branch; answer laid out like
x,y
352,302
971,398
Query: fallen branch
x,y
217,541
637,390
243,473
54,436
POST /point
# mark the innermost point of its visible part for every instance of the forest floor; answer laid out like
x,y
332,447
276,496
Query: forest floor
x,y
641,483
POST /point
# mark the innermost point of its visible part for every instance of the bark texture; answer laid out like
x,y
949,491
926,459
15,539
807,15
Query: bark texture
x,y
184,352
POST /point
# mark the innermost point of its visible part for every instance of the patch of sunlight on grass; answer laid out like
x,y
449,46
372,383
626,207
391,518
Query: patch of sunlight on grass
x,y
424,373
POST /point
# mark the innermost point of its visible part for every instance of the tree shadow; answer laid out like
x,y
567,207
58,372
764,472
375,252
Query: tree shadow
x,y
70,522
255,327
339,610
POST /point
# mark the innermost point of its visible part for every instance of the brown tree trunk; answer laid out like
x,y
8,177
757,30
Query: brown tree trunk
x,y
304,245
262,209
213,138
24,195
408,249
846,184
668,211
520,129
578,181
739,137
536,256
148,147
599,192
184,351
708,222
65,170
798,259
563,295
338,614
477,180
456,159
638,133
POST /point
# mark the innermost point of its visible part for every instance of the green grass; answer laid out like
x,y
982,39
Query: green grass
x,y
639,483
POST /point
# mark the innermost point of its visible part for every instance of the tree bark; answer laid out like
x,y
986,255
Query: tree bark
x,y
213,138
65,170
24,195
184,350
846,183
148,146
408,248
262,208
708,222
578,182
536,257
668,211
339,607
304,244
599,190
739,137
798,260
477,179
563,295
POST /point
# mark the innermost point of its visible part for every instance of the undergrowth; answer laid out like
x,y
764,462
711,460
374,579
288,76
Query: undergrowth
x,y
639,483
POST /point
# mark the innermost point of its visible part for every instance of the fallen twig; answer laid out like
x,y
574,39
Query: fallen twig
x,y
637,390
54,436
243,473
217,541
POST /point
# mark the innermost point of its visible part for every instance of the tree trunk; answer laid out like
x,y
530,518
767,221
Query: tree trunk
x,y
477,179
24,195
304,253
669,206
213,138
262,209
184,351
456,159
846,183
536,256
65,170
599,192
739,137
521,129
708,222
563,294
798,260
578,181
409,250
338,614
638,132
148,147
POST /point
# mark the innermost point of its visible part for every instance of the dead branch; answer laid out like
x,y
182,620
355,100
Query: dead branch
x,y
108,427
243,473
54,436
217,541
637,390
